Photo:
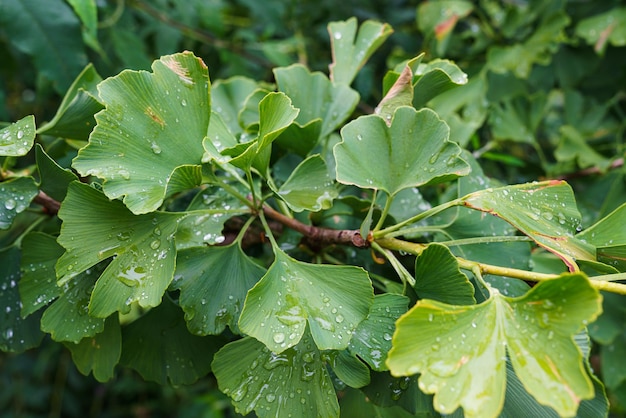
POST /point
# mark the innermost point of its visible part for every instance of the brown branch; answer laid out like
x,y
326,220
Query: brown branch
x,y
592,170
318,237
50,205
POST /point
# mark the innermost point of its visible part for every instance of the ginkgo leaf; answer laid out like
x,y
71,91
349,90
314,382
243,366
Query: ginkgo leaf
x,y
54,179
309,187
152,124
545,211
213,283
461,351
142,247
351,49
17,138
228,97
346,365
293,383
332,300
15,196
414,150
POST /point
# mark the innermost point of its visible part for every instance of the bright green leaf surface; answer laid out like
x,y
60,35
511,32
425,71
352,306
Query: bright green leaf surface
x,y
95,228
152,124
351,49
49,32
16,333
413,151
161,349
54,179
372,339
309,187
294,383
437,277
17,138
213,283
333,300
544,211
38,285
316,97
15,196
460,350
100,353
608,230
75,116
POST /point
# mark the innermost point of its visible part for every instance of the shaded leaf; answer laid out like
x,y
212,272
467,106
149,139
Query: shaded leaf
x,y
412,151
400,94
438,277
142,246
309,187
54,179
213,283
227,99
160,348
348,368
604,29
372,338
17,138
15,196
401,392
351,49
293,383
153,123
101,353
460,350
333,300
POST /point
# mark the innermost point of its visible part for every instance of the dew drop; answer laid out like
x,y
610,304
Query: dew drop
x,y
339,319
155,244
337,35
270,397
155,148
10,204
20,134
279,337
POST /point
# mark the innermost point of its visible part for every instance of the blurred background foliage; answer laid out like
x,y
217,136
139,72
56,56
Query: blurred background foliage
x,y
546,99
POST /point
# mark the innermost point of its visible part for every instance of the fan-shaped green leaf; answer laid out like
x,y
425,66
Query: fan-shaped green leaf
x,y
152,124
228,98
545,211
159,346
17,138
15,196
372,338
437,277
461,351
351,49
309,187
95,228
333,300
54,179
293,383
414,150
213,283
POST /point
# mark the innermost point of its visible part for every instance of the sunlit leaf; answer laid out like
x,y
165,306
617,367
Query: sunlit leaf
x,y
372,338
309,187
17,138
351,49
412,151
101,353
15,196
16,333
294,382
316,97
545,211
159,346
461,351
153,123
332,300
437,277
75,116
95,228
213,283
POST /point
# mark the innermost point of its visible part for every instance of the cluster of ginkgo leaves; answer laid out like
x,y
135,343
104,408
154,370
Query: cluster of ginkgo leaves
x,y
296,249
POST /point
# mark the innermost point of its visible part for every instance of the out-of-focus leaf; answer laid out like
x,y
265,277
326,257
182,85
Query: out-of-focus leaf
x,y
439,18
460,351
294,382
75,116
213,283
159,346
227,100
17,138
414,150
603,29
95,229
351,49
153,124
15,196
49,32
332,300
87,11
309,187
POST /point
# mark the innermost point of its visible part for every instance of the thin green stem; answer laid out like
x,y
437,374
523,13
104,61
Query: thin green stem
x,y
244,228
402,272
281,203
484,240
427,213
268,230
384,214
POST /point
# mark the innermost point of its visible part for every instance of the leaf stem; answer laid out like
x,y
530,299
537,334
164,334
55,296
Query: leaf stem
x,y
402,272
244,229
484,240
268,230
384,214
